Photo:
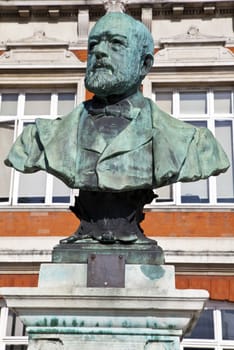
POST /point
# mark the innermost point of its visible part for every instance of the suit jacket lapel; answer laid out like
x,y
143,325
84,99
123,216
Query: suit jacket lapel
x,y
89,138
132,136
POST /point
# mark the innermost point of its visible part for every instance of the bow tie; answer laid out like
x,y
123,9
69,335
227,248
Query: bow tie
x,y
119,109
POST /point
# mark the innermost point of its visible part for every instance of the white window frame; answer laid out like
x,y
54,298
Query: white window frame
x,y
210,118
8,340
19,120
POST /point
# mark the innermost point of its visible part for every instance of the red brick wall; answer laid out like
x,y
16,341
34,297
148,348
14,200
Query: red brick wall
x,y
37,223
18,280
219,287
168,224
190,224
81,54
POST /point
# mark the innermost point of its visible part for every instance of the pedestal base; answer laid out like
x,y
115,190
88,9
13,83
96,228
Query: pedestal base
x,y
112,341
145,252
63,314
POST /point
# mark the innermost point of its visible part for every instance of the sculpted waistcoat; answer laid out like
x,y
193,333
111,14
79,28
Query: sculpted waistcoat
x,y
125,162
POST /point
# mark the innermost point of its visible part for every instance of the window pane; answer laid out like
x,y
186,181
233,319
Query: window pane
x,y
165,194
37,104
204,328
14,325
228,324
66,103
222,102
195,192
61,193
198,123
225,185
164,101
9,104
32,188
16,347
197,348
6,140
193,103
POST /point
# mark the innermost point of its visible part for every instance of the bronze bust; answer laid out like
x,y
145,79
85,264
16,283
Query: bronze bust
x,y
118,146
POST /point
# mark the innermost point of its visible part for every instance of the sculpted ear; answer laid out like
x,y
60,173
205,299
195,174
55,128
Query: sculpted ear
x,y
147,64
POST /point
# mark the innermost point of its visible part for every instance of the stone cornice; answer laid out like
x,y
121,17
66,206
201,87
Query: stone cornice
x,y
36,58
193,36
76,3
194,56
38,39
62,8
38,51
177,250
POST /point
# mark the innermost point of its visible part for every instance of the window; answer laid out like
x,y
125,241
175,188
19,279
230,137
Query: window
x,y
12,331
211,108
16,347
214,330
18,109
204,328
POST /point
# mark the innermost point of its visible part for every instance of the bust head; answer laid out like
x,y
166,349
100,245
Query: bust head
x,y
120,54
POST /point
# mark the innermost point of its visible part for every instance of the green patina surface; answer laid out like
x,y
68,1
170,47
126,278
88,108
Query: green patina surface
x,y
103,330
152,272
137,253
105,322
74,323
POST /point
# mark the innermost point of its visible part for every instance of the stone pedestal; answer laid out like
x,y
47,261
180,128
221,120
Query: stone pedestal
x,y
148,313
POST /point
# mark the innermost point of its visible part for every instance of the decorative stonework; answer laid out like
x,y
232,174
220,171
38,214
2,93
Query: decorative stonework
x,y
83,26
114,5
39,51
194,56
37,58
147,17
194,48
193,35
70,8
39,38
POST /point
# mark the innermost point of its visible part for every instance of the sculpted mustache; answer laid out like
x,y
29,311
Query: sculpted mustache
x,y
102,64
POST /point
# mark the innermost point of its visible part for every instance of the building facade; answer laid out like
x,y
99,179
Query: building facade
x,y
42,64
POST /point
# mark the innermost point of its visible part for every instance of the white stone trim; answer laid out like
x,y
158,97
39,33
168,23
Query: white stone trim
x,y
16,340
83,25
147,17
177,250
196,56
34,58
210,250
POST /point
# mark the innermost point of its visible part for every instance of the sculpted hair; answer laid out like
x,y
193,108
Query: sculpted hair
x,y
143,35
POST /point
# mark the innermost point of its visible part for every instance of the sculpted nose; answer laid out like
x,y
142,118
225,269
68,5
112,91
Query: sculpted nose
x,y
100,54
100,50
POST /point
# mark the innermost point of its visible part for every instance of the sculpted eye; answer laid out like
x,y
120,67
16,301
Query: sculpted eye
x,y
117,41
92,44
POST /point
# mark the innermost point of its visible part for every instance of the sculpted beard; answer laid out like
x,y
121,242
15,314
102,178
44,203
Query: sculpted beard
x,y
105,81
